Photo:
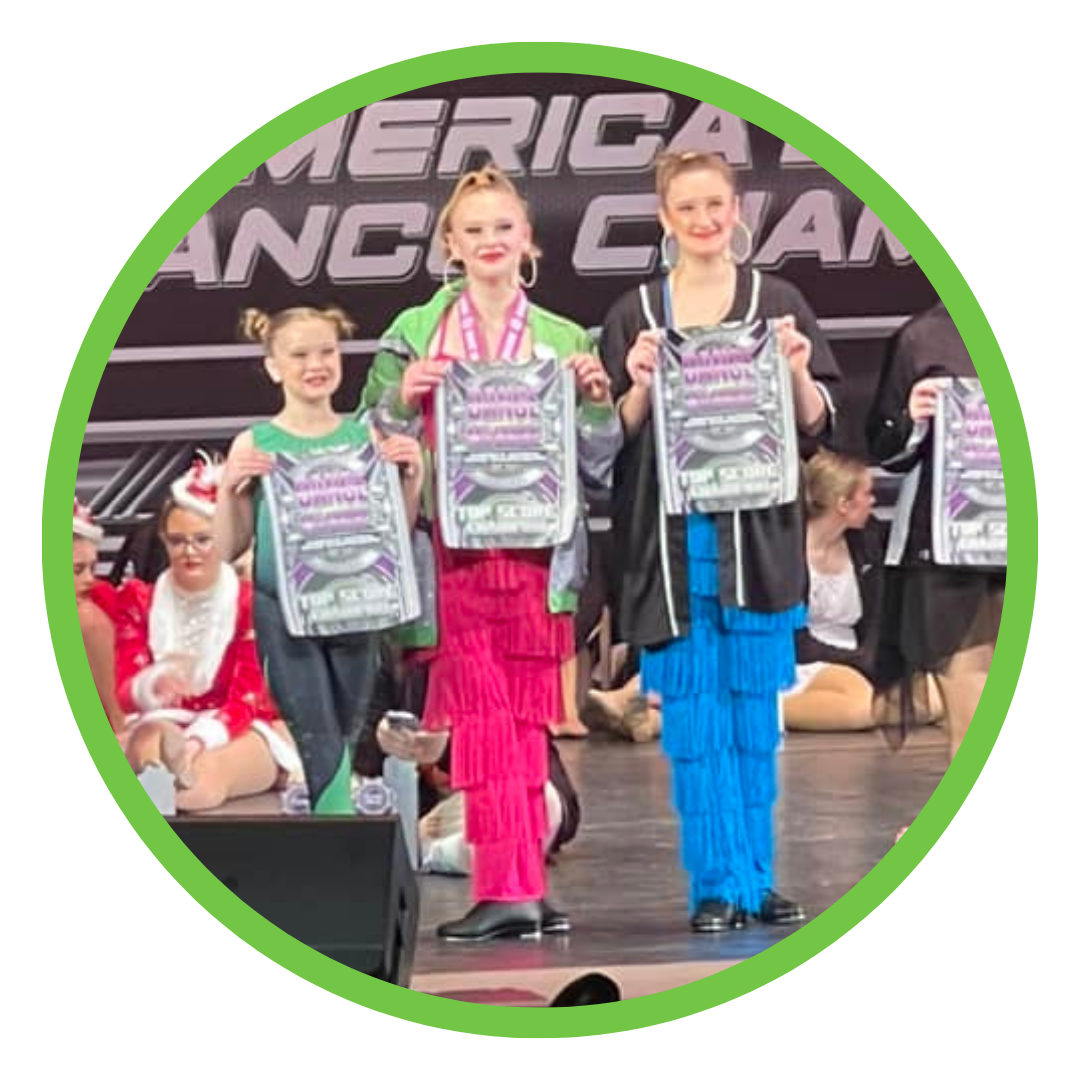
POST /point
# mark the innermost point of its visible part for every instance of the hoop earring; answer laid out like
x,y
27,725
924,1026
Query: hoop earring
x,y
667,259
535,272
448,265
744,256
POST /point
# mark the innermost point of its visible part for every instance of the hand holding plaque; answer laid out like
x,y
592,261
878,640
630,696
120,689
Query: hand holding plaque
x,y
592,380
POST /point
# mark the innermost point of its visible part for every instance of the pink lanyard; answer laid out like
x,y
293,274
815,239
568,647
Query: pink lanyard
x,y
513,332
472,336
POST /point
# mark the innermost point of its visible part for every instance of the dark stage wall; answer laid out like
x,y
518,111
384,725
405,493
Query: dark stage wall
x,y
346,214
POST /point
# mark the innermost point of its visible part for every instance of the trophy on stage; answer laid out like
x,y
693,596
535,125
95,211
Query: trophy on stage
x,y
724,419
343,550
969,523
507,453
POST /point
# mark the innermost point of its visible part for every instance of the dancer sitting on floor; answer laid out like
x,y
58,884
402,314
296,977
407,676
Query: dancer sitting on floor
x,y
443,846
96,603
504,616
321,683
713,600
845,546
187,668
835,652
625,711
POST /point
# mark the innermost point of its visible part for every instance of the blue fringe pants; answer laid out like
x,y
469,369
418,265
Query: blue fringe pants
x,y
720,691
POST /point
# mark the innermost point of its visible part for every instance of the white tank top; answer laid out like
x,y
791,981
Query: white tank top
x,y
835,607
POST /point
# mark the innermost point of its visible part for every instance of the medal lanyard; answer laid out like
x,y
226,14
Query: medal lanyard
x,y
513,331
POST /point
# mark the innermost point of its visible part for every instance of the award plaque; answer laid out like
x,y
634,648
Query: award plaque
x,y
507,454
724,418
343,550
969,523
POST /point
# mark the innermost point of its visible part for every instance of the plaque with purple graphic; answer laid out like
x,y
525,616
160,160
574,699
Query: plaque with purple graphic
x,y
507,454
724,419
343,545
969,523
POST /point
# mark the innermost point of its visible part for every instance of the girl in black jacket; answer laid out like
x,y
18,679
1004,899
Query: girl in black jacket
x,y
939,620
713,600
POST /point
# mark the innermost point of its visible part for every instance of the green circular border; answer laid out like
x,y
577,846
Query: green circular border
x,y
412,74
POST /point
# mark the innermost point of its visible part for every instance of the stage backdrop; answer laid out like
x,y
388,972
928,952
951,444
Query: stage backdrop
x,y
345,216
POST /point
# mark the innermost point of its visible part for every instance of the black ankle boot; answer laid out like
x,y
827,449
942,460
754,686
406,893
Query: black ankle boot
x,y
717,917
491,919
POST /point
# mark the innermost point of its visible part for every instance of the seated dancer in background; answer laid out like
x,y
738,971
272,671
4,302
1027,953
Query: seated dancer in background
x,y
845,546
96,603
625,711
187,666
443,846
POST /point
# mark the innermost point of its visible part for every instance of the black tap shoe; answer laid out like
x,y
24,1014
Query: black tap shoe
x,y
776,911
492,919
717,917
552,921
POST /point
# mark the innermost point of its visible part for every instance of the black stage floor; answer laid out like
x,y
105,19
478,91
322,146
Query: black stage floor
x,y
843,798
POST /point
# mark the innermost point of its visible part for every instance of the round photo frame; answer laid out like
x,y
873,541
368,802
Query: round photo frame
x,y
169,230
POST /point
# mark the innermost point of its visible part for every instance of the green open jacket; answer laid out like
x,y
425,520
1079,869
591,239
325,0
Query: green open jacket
x,y
599,438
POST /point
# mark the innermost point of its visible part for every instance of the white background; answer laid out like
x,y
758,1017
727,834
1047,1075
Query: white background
x,y
113,109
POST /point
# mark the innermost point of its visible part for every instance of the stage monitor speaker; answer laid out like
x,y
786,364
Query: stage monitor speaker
x,y
342,885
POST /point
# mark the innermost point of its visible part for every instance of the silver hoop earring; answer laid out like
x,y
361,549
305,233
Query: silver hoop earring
x,y
535,272
667,259
449,265
740,257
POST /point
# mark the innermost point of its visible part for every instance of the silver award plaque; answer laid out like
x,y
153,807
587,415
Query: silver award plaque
x,y
969,523
507,454
724,418
343,550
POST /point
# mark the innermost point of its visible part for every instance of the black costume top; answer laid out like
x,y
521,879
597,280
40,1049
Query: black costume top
x,y
762,553
929,346
930,609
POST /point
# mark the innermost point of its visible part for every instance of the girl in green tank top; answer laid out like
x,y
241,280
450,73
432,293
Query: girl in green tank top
x,y
322,685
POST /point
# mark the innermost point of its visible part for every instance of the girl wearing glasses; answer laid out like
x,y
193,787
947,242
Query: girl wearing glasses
x,y
187,668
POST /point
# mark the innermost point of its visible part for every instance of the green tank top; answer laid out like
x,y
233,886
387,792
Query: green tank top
x,y
273,439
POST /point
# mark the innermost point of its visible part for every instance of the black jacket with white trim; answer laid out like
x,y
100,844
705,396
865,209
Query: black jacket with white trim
x,y
762,552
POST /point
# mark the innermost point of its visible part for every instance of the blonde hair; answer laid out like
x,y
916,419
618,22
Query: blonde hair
x,y
829,478
488,178
670,164
259,326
